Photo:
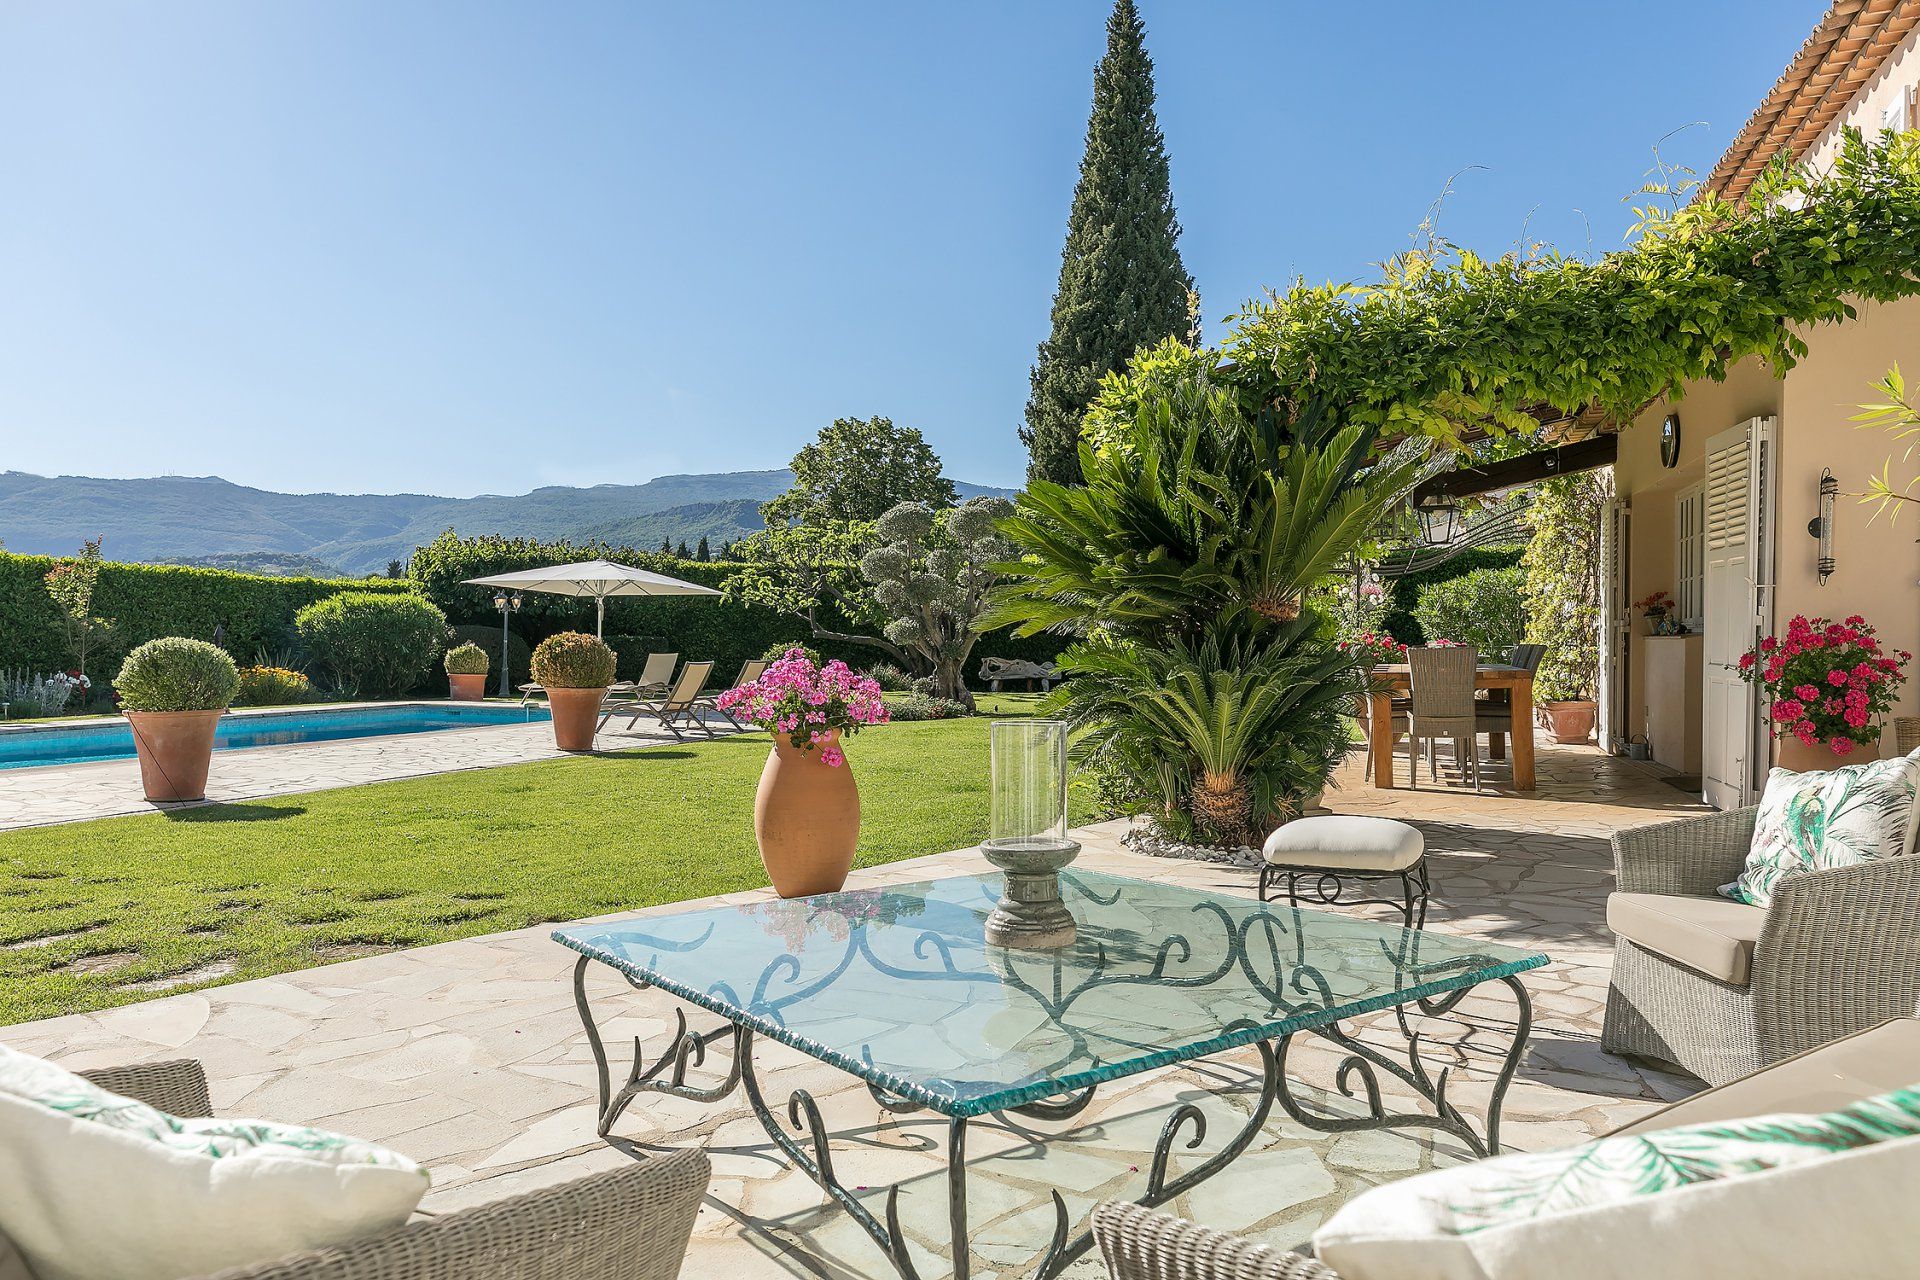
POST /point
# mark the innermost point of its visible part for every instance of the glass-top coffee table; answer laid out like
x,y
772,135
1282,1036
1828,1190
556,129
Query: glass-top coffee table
x,y
898,987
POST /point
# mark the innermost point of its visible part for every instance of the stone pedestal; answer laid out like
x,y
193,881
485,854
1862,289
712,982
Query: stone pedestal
x,y
1030,914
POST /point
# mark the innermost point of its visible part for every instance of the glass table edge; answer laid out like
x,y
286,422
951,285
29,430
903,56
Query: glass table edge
x,y
1073,1082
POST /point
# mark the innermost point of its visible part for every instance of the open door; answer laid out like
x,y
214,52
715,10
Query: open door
x,y
1615,617
1739,607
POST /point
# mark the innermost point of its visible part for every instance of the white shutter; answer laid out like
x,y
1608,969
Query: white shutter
x,y
1615,615
1727,487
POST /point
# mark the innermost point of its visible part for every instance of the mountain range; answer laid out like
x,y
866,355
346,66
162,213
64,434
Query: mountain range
x,y
207,520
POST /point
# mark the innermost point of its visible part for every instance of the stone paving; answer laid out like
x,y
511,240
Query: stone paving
x,y
110,788
469,1056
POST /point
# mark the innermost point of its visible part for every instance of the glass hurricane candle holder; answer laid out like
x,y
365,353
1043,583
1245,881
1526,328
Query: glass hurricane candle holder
x,y
1027,833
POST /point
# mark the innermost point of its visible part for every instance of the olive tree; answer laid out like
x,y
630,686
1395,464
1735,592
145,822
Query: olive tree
x,y
931,576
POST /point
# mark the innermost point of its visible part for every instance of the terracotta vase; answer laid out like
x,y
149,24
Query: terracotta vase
x,y
1570,721
175,748
806,817
575,712
1801,758
467,688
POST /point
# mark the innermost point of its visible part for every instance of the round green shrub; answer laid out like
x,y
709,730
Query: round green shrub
x,y
778,650
372,645
468,659
1486,608
519,652
890,677
923,706
271,687
573,660
174,673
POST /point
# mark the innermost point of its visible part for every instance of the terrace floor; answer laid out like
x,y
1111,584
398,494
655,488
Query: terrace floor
x,y
468,1056
46,794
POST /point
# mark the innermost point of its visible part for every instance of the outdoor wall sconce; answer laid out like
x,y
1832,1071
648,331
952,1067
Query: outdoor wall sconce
x,y
1439,521
1821,526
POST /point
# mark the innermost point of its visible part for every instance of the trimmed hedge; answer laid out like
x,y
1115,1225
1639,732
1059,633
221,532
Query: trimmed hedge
x,y
148,601
1400,622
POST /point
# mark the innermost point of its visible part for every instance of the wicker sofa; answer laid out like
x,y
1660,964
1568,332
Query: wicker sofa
x,y
630,1223
1721,988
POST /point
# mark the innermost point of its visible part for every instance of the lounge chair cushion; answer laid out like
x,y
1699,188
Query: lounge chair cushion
x,y
1347,843
1828,818
1723,1199
12,1265
100,1187
1709,935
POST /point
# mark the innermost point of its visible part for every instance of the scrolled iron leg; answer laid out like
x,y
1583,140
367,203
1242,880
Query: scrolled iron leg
x,y
1363,1064
686,1049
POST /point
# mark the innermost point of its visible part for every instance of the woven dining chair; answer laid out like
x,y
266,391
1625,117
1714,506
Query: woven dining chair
x,y
1443,707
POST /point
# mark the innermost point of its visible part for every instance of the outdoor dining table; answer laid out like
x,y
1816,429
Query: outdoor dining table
x,y
1397,678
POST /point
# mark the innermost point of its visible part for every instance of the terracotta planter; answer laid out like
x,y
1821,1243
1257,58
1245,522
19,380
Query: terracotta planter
x,y
806,818
1570,721
575,712
467,688
175,748
1801,758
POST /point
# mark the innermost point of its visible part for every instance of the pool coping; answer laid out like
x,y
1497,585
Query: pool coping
x,y
80,722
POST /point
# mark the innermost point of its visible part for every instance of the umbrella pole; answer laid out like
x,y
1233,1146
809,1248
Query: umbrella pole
x,y
600,621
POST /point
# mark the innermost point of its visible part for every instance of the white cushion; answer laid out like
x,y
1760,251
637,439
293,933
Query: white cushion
x,y
100,1187
1828,818
1345,842
1728,1199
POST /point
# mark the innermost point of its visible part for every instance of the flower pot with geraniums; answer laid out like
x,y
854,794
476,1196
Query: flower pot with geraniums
x,y
1827,685
806,815
1658,611
467,667
173,691
575,670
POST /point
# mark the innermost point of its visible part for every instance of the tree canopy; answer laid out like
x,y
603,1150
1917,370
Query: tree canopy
x,y
859,469
1122,285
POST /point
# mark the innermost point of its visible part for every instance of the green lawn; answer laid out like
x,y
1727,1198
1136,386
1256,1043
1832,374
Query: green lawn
x,y
292,882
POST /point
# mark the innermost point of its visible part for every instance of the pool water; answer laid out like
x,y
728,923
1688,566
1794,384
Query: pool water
x,y
113,739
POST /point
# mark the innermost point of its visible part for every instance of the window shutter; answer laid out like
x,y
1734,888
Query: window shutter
x,y
1726,495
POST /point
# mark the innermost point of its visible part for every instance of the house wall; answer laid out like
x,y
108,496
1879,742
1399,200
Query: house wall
x,y
1877,571
1878,564
1890,85
1651,490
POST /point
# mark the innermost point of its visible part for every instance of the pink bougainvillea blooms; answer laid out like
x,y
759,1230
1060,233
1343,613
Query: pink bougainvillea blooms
x,y
1826,681
808,703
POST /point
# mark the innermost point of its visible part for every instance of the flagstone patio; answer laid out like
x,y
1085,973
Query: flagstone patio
x,y
469,1056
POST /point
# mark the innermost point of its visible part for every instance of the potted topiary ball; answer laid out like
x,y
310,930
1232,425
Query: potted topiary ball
x,y
173,691
467,667
575,670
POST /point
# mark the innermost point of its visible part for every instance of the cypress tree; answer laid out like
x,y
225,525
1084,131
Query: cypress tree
x,y
1122,284
702,552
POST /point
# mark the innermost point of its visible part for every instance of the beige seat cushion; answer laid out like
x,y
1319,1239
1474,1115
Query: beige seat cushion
x,y
1863,1065
1341,842
12,1265
1712,935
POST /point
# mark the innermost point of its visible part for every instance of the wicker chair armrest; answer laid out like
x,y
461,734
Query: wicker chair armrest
x,y
630,1223
1141,1244
178,1087
1840,951
1688,855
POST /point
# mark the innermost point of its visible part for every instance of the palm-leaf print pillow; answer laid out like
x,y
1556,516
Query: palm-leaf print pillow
x,y
187,1196
1828,818
1650,1205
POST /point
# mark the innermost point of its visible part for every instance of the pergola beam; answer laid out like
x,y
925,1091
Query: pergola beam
x,y
1528,468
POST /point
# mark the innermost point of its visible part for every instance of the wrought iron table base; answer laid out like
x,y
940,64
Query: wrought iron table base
x,y
1326,886
1363,1062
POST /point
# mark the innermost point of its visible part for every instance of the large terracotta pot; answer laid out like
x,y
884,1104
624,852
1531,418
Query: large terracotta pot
x,y
806,818
1801,758
175,748
575,712
1570,721
467,688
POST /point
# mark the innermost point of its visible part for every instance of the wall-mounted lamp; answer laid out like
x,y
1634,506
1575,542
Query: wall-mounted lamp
x,y
1821,526
1439,520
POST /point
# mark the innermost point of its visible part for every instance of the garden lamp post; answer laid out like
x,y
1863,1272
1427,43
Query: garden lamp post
x,y
508,605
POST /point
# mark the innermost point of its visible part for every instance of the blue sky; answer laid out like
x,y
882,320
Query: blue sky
x,y
472,247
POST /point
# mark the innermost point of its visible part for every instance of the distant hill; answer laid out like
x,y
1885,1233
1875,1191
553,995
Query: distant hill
x,y
271,564
188,519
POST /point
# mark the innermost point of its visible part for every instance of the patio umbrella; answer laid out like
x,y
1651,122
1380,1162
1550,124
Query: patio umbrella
x,y
595,579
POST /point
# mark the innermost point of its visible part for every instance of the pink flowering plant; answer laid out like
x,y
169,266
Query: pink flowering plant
x,y
1826,682
809,703
1374,648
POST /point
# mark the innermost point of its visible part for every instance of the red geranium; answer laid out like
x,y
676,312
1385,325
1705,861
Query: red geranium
x,y
1826,680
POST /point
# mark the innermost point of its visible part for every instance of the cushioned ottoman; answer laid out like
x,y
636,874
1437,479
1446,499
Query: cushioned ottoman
x,y
1323,853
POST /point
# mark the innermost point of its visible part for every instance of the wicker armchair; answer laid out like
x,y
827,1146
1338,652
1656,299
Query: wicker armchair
x,y
1837,951
1140,1244
630,1223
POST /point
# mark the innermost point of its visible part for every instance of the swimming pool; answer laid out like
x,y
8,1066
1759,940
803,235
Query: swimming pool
x,y
28,746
